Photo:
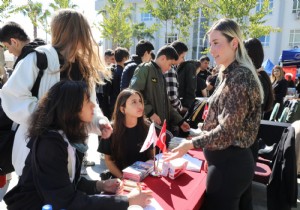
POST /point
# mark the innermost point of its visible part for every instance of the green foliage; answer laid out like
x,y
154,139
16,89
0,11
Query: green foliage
x,y
62,4
141,31
5,7
188,12
252,24
164,11
43,20
116,25
181,14
34,10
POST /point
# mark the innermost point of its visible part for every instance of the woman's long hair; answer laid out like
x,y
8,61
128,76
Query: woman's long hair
x,y
59,110
256,53
118,119
230,29
273,78
72,34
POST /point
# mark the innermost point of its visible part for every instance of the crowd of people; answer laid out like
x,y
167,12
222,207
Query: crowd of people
x,y
117,98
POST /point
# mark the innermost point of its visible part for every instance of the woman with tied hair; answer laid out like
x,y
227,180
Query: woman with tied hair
x,y
73,55
279,85
57,132
130,131
231,124
256,53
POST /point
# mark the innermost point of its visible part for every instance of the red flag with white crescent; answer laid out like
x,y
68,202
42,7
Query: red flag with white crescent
x,y
205,112
161,141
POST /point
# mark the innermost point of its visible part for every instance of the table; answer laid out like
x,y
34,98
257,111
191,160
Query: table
x,y
184,193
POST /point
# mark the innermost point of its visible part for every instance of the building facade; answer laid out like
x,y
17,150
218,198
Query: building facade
x,y
285,15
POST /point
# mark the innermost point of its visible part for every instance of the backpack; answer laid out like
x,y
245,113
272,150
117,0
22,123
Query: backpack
x,y
7,134
194,115
195,112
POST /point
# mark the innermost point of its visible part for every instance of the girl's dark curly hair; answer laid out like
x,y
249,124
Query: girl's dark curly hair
x,y
59,110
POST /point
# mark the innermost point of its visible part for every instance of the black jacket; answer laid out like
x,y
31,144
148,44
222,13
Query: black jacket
x,y
187,82
45,180
282,189
128,71
268,91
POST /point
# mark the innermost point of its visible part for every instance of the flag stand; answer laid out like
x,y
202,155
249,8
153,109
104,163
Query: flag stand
x,y
155,172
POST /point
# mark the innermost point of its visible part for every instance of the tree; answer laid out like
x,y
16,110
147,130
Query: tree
x,y
188,12
62,4
180,13
252,25
5,7
34,10
141,31
116,25
43,20
165,11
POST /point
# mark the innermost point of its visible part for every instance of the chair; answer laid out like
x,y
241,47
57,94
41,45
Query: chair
x,y
283,117
282,188
268,136
262,173
274,112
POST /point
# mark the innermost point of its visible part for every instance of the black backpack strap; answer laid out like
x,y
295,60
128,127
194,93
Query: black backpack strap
x,y
42,64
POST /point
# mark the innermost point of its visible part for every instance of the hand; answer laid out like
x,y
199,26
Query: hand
x,y
200,125
110,185
141,198
155,118
105,128
185,126
179,151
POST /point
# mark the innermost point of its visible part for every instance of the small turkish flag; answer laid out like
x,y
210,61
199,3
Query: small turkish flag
x,y
161,141
205,112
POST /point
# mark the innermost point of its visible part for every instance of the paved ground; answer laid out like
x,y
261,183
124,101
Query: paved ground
x,y
259,190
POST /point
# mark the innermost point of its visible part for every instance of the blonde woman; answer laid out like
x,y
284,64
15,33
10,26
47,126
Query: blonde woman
x,y
232,122
279,85
73,55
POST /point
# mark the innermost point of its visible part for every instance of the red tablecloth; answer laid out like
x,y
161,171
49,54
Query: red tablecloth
x,y
184,193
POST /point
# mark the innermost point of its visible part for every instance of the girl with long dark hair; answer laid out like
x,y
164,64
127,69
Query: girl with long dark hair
x,y
57,132
130,131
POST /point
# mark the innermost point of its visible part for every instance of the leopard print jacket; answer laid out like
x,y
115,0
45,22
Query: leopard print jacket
x,y
234,111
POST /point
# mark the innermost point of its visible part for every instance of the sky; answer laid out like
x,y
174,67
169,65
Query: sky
x,y
84,6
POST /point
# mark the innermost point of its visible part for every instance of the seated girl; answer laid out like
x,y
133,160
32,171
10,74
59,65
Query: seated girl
x,y
130,131
57,131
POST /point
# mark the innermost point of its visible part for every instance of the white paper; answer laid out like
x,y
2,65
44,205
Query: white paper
x,y
194,164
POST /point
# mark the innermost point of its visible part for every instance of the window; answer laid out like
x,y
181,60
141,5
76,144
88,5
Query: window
x,y
296,6
146,17
265,40
294,41
260,3
170,38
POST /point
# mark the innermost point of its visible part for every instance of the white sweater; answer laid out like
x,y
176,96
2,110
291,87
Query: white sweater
x,y
18,102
